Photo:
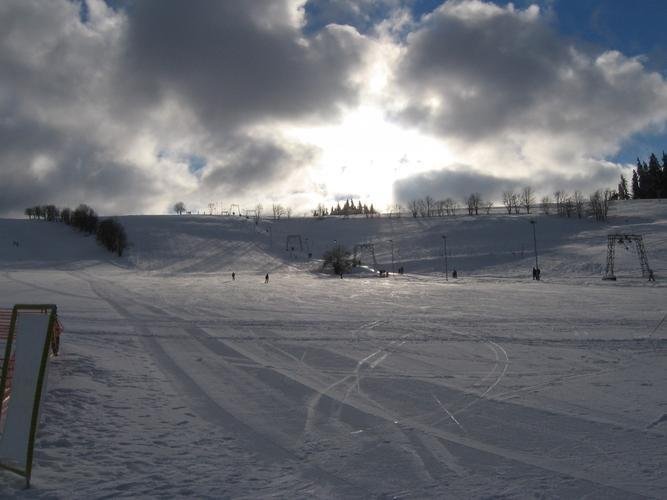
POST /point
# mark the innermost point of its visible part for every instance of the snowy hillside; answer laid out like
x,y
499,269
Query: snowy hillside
x,y
175,381
500,246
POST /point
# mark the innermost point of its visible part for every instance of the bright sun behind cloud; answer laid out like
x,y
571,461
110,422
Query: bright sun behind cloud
x,y
364,154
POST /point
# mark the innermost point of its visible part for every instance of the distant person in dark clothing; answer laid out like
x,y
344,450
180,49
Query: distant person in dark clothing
x,y
455,274
651,276
266,278
233,276
534,273
537,274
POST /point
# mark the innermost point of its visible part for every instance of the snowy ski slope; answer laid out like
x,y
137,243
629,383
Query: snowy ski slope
x,y
175,381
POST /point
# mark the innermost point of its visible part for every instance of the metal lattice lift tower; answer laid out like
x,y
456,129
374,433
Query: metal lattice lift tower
x,y
368,247
625,239
293,242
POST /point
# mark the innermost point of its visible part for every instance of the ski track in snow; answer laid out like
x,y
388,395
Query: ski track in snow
x,y
356,388
353,380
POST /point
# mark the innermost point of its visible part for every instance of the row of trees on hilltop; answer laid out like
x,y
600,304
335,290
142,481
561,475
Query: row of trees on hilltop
x,y
649,180
430,207
46,212
109,233
277,210
563,204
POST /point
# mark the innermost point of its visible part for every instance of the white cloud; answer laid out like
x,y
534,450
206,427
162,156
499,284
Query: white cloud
x,y
514,99
109,111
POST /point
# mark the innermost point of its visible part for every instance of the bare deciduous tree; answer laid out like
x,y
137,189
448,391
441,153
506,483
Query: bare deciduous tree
x,y
421,206
561,200
568,206
430,205
579,202
278,211
546,205
516,203
451,206
599,202
527,198
508,201
413,206
65,215
440,208
473,203
179,208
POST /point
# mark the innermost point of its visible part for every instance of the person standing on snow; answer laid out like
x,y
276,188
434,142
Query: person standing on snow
x,y
266,278
233,276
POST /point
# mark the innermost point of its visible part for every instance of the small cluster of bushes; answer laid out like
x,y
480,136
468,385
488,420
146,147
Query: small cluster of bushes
x,y
339,259
109,233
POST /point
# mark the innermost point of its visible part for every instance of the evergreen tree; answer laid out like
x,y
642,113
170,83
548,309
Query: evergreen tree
x,y
653,175
644,181
635,185
623,189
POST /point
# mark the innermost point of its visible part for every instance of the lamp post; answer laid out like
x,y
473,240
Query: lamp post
x,y
532,223
392,256
444,253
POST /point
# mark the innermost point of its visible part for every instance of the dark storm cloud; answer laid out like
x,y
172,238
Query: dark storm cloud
x,y
459,181
236,62
476,71
88,102
454,184
256,164
53,94
42,165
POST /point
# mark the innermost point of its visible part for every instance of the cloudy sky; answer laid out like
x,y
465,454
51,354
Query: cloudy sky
x,y
131,106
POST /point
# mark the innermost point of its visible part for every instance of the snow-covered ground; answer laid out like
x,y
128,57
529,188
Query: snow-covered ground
x,y
175,381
